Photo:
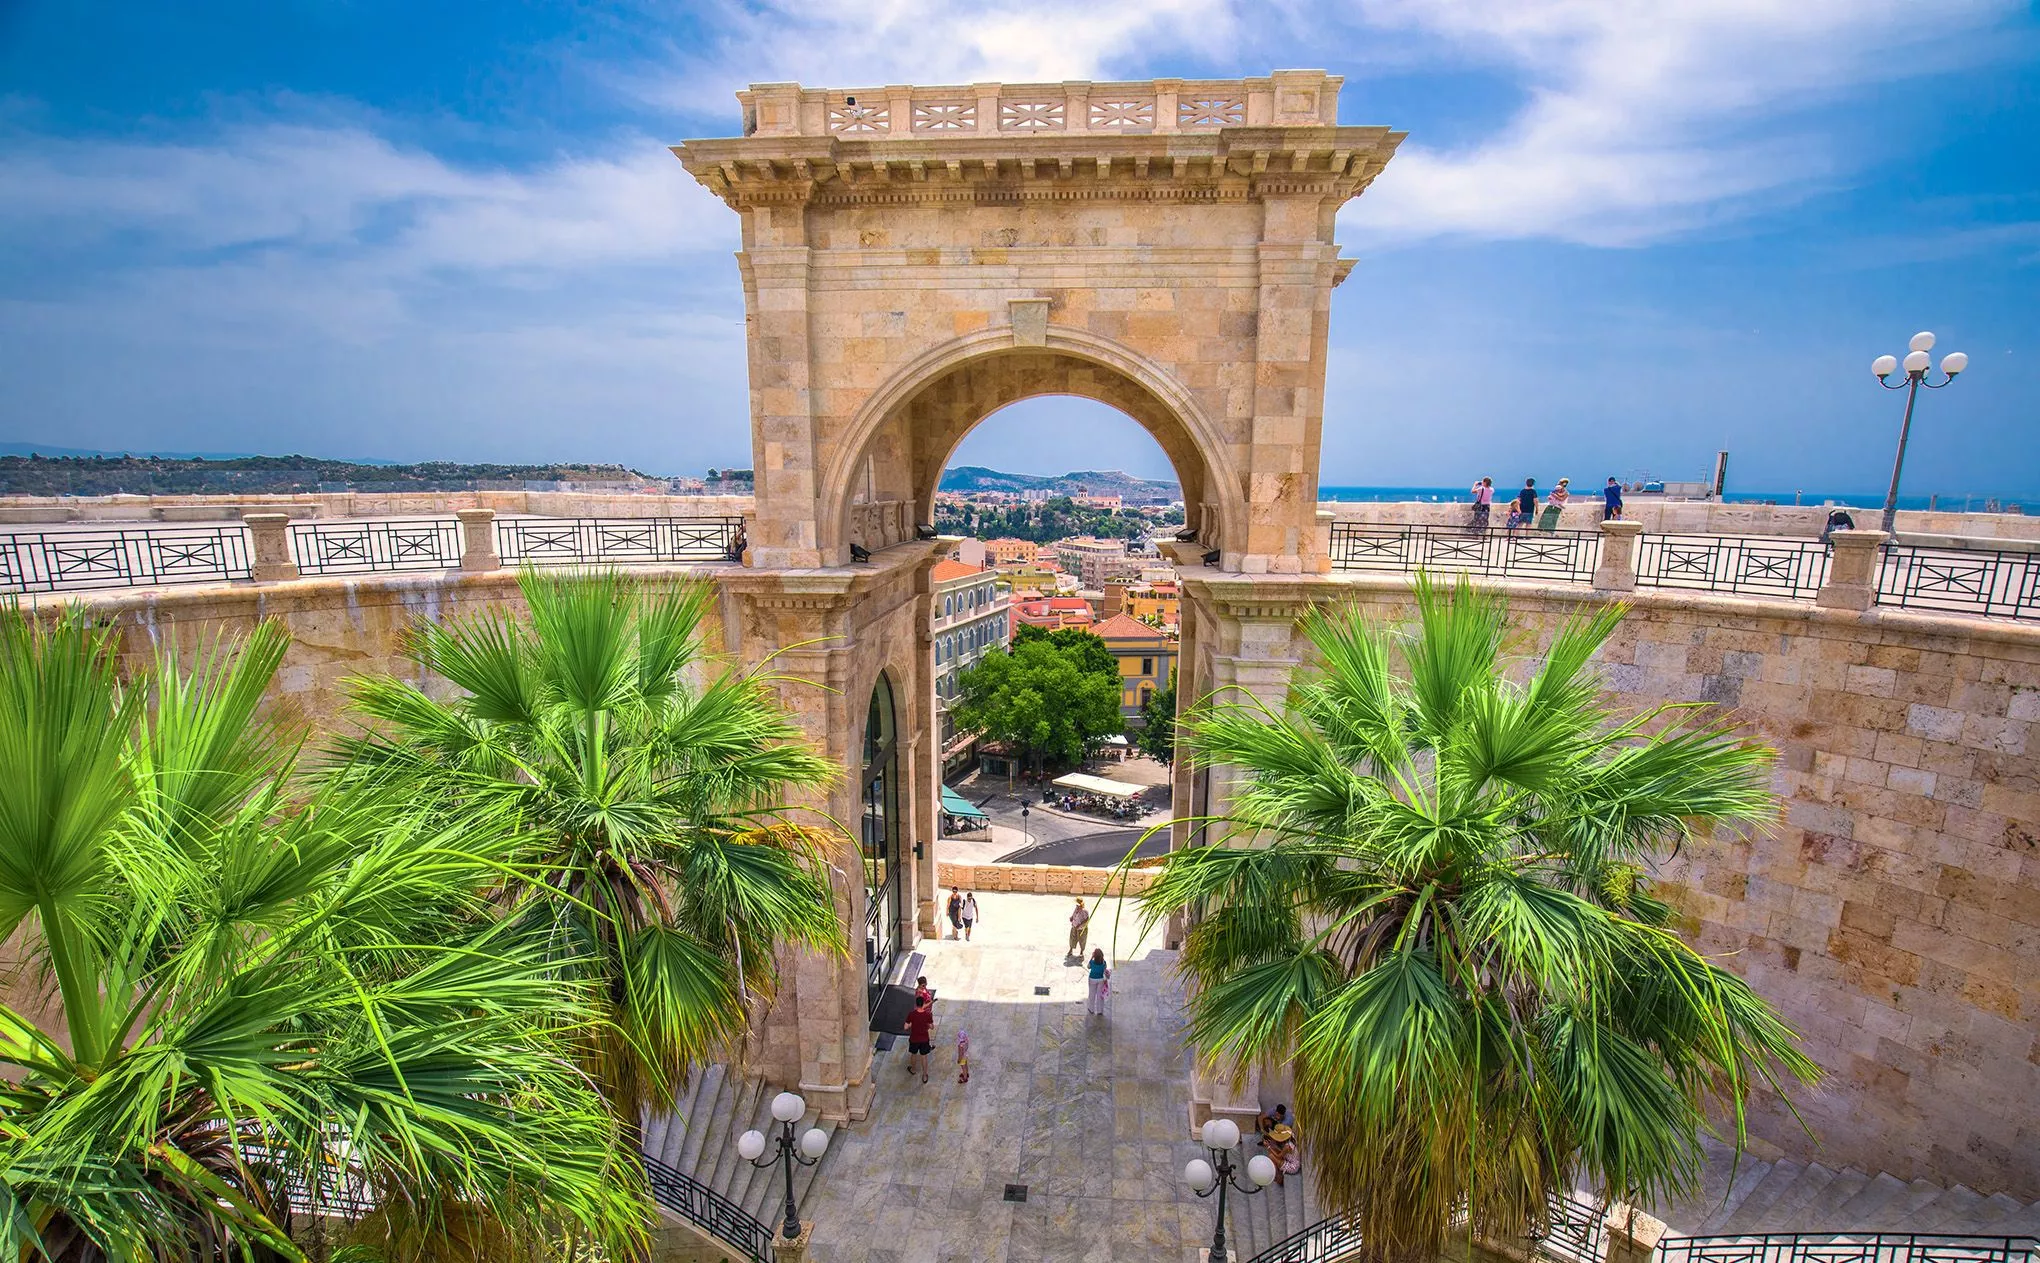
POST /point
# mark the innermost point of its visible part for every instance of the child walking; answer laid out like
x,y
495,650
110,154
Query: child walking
x,y
963,1056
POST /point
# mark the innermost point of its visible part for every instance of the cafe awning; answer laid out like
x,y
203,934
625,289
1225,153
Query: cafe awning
x,y
1084,784
956,804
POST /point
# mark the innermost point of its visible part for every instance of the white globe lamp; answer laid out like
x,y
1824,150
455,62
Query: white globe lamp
x,y
1221,1133
1917,361
814,1142
1954,362
1885,365
1261,1170
1921,341
751,1146
1198,1175
787,1107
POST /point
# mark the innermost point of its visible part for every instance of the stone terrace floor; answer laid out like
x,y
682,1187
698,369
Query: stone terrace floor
x,y
1091,1114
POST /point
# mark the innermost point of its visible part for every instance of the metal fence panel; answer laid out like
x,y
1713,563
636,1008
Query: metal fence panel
x,y
346,547
618,541
1740,564
56,561
1563,556
1960,581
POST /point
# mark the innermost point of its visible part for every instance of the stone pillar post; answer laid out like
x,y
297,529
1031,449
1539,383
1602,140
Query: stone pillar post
x,y
270,533
478,539
1617,571
1632,1235
1852,570
796,1250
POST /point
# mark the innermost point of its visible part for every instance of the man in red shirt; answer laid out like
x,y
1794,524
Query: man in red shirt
x,y
920,1035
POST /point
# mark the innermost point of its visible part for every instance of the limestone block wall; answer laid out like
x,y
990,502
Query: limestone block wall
x,y
1043,879
1894,912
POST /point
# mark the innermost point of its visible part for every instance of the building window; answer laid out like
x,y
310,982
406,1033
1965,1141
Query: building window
x,y
1147,666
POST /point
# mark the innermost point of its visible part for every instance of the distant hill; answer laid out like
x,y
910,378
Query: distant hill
x,y
46,475
967,478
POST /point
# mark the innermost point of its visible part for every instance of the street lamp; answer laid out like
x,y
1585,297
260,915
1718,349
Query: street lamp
x,y
1220,1135
808,1150
1916,364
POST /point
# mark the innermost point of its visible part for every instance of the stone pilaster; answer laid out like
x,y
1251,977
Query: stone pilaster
x,y
269,533
1632,1235
1852,570
1617,571
478,540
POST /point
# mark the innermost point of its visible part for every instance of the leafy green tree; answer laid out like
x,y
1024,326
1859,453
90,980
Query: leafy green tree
x,y
646,786
1086,649
1049,700
253,988
1157,734
1449,935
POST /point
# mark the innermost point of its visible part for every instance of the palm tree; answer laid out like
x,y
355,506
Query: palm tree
x,y
233,1002
657,858
1437,914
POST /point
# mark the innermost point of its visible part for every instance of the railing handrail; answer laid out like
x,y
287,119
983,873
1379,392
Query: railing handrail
x,y
85,559
722,1219
1868,1238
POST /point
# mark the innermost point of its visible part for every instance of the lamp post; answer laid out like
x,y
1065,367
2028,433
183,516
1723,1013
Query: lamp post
x,y
1219,1136
1916,362
807,1150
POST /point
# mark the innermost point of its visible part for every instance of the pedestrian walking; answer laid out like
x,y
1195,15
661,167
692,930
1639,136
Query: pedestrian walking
x,y
955,911
920,1035
1101,983
970,913
1080,931
1611,501
1553,508
1483,504
1838,519
963,1056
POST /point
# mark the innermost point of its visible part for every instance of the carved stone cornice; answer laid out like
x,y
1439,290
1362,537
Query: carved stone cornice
x,y
1258,598
1231,164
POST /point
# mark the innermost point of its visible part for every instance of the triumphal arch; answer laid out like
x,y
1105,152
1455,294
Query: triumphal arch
x,y
915,258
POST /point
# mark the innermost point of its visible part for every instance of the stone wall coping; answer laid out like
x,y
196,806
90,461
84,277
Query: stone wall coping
x,y
1242,589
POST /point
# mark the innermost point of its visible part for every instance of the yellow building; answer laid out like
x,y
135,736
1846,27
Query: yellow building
x,y
1146,659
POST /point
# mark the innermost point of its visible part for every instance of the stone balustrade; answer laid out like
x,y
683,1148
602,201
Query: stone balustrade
x,y
1287,98
1044,879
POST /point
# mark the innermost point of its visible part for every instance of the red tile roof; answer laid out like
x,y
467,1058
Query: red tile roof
x,y
1120,627
946,570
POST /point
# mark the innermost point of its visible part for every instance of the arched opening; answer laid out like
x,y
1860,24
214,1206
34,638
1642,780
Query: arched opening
x,y
883,479
879,837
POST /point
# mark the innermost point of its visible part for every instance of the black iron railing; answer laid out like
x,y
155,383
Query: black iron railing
x,y
360,547
618,541
1960,581
1740,564
55,561
1323,1241
1572,1229
1495,551
1849,1247
1571,1232
709,1210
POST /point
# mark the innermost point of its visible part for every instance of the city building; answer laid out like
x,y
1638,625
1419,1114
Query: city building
x,y
1093,561
1010,552
1053,612
972,616
1146,659
1152,603
971,552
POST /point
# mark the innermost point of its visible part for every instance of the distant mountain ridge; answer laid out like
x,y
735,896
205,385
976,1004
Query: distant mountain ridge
x,y
967,478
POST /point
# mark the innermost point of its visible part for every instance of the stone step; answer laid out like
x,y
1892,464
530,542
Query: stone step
x,y
1748,1174
1819,1215
689,1158
1859,1210
1775,1184
1955,1206
1898,1214
1789,1209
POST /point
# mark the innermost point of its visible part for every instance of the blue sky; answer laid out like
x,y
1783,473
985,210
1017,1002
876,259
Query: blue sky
x,y
1619,236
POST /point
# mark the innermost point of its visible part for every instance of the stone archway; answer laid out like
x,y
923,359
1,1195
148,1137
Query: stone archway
x,y
895,452
916,257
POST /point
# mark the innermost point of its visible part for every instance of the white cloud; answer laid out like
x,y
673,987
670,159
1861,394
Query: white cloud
x,y
1644,120
929,41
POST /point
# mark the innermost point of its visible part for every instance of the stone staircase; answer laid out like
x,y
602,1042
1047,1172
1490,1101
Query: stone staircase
x,y
1273,1215
699,1139
1757,1197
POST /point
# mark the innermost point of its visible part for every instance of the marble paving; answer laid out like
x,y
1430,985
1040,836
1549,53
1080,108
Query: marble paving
x,y
1089,1113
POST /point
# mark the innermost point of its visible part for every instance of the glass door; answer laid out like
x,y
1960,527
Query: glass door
x,y
880,838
